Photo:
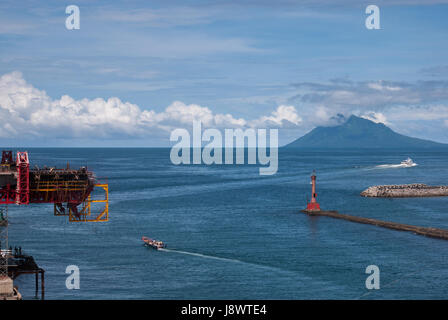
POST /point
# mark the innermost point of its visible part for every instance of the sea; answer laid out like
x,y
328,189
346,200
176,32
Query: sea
x,y
235,234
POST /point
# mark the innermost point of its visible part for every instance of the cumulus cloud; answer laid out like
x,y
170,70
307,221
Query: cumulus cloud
x,y
371,94
376,117
379,101
26,109
283,114
29,111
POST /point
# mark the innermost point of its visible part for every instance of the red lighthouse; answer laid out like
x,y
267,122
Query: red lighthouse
x,y
313,205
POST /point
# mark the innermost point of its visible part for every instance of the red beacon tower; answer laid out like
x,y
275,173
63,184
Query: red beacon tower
x,y
313,205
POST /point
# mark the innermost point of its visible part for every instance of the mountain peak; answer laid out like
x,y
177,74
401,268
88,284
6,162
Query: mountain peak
x,y
359,132
354,118
360,120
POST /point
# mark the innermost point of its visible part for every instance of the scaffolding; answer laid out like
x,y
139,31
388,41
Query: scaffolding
x,y
58,191
21,186
95,208
23,178
72,188
4,249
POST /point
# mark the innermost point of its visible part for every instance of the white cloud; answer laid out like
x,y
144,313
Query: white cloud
x,y
371,95
162,17
376,117
381,87
26,110
281,114
425,112
390,102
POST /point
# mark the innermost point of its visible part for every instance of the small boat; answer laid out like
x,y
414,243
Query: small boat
x,y
155,244
408,163
403,164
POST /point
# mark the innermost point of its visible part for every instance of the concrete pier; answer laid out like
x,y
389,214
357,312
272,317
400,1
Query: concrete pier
x,y
7,290
425,231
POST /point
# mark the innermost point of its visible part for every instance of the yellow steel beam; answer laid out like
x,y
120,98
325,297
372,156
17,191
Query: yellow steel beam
x,y
86,214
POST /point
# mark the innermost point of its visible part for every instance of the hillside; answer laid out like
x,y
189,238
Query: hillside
x,y
360,133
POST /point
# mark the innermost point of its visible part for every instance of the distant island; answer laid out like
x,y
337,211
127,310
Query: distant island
x,y
358,132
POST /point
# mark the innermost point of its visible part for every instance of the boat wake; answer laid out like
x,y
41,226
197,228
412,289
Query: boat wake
x,y
202,255
226,259
408,163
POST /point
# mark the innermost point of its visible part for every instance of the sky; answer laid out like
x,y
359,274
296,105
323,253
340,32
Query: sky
x,y
136,70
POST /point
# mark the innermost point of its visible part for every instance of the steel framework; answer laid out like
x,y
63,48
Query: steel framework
x,y
4,249
19,185
7,158
7,195
23,178
88,213
60,191
22,186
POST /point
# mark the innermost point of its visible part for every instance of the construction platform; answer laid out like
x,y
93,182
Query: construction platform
x,y
75,193
424,231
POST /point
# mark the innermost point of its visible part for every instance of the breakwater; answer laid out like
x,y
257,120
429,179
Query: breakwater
x,y
424,231
405,191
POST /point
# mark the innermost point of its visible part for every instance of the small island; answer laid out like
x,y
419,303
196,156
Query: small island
x,y
405,191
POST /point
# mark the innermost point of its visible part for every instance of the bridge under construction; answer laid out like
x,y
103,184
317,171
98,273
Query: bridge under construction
x,y
74,193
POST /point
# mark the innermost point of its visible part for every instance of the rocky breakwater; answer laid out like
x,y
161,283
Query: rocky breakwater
x,y
405,191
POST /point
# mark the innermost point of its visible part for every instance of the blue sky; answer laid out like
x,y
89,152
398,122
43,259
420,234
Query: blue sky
x,y
137,69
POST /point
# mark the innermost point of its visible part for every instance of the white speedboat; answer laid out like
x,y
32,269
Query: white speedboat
x,y
403,164
408,163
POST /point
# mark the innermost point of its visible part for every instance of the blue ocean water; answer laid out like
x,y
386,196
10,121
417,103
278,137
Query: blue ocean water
x,y
233,234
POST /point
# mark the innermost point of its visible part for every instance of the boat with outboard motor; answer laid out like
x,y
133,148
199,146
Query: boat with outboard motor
x,y
155,244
